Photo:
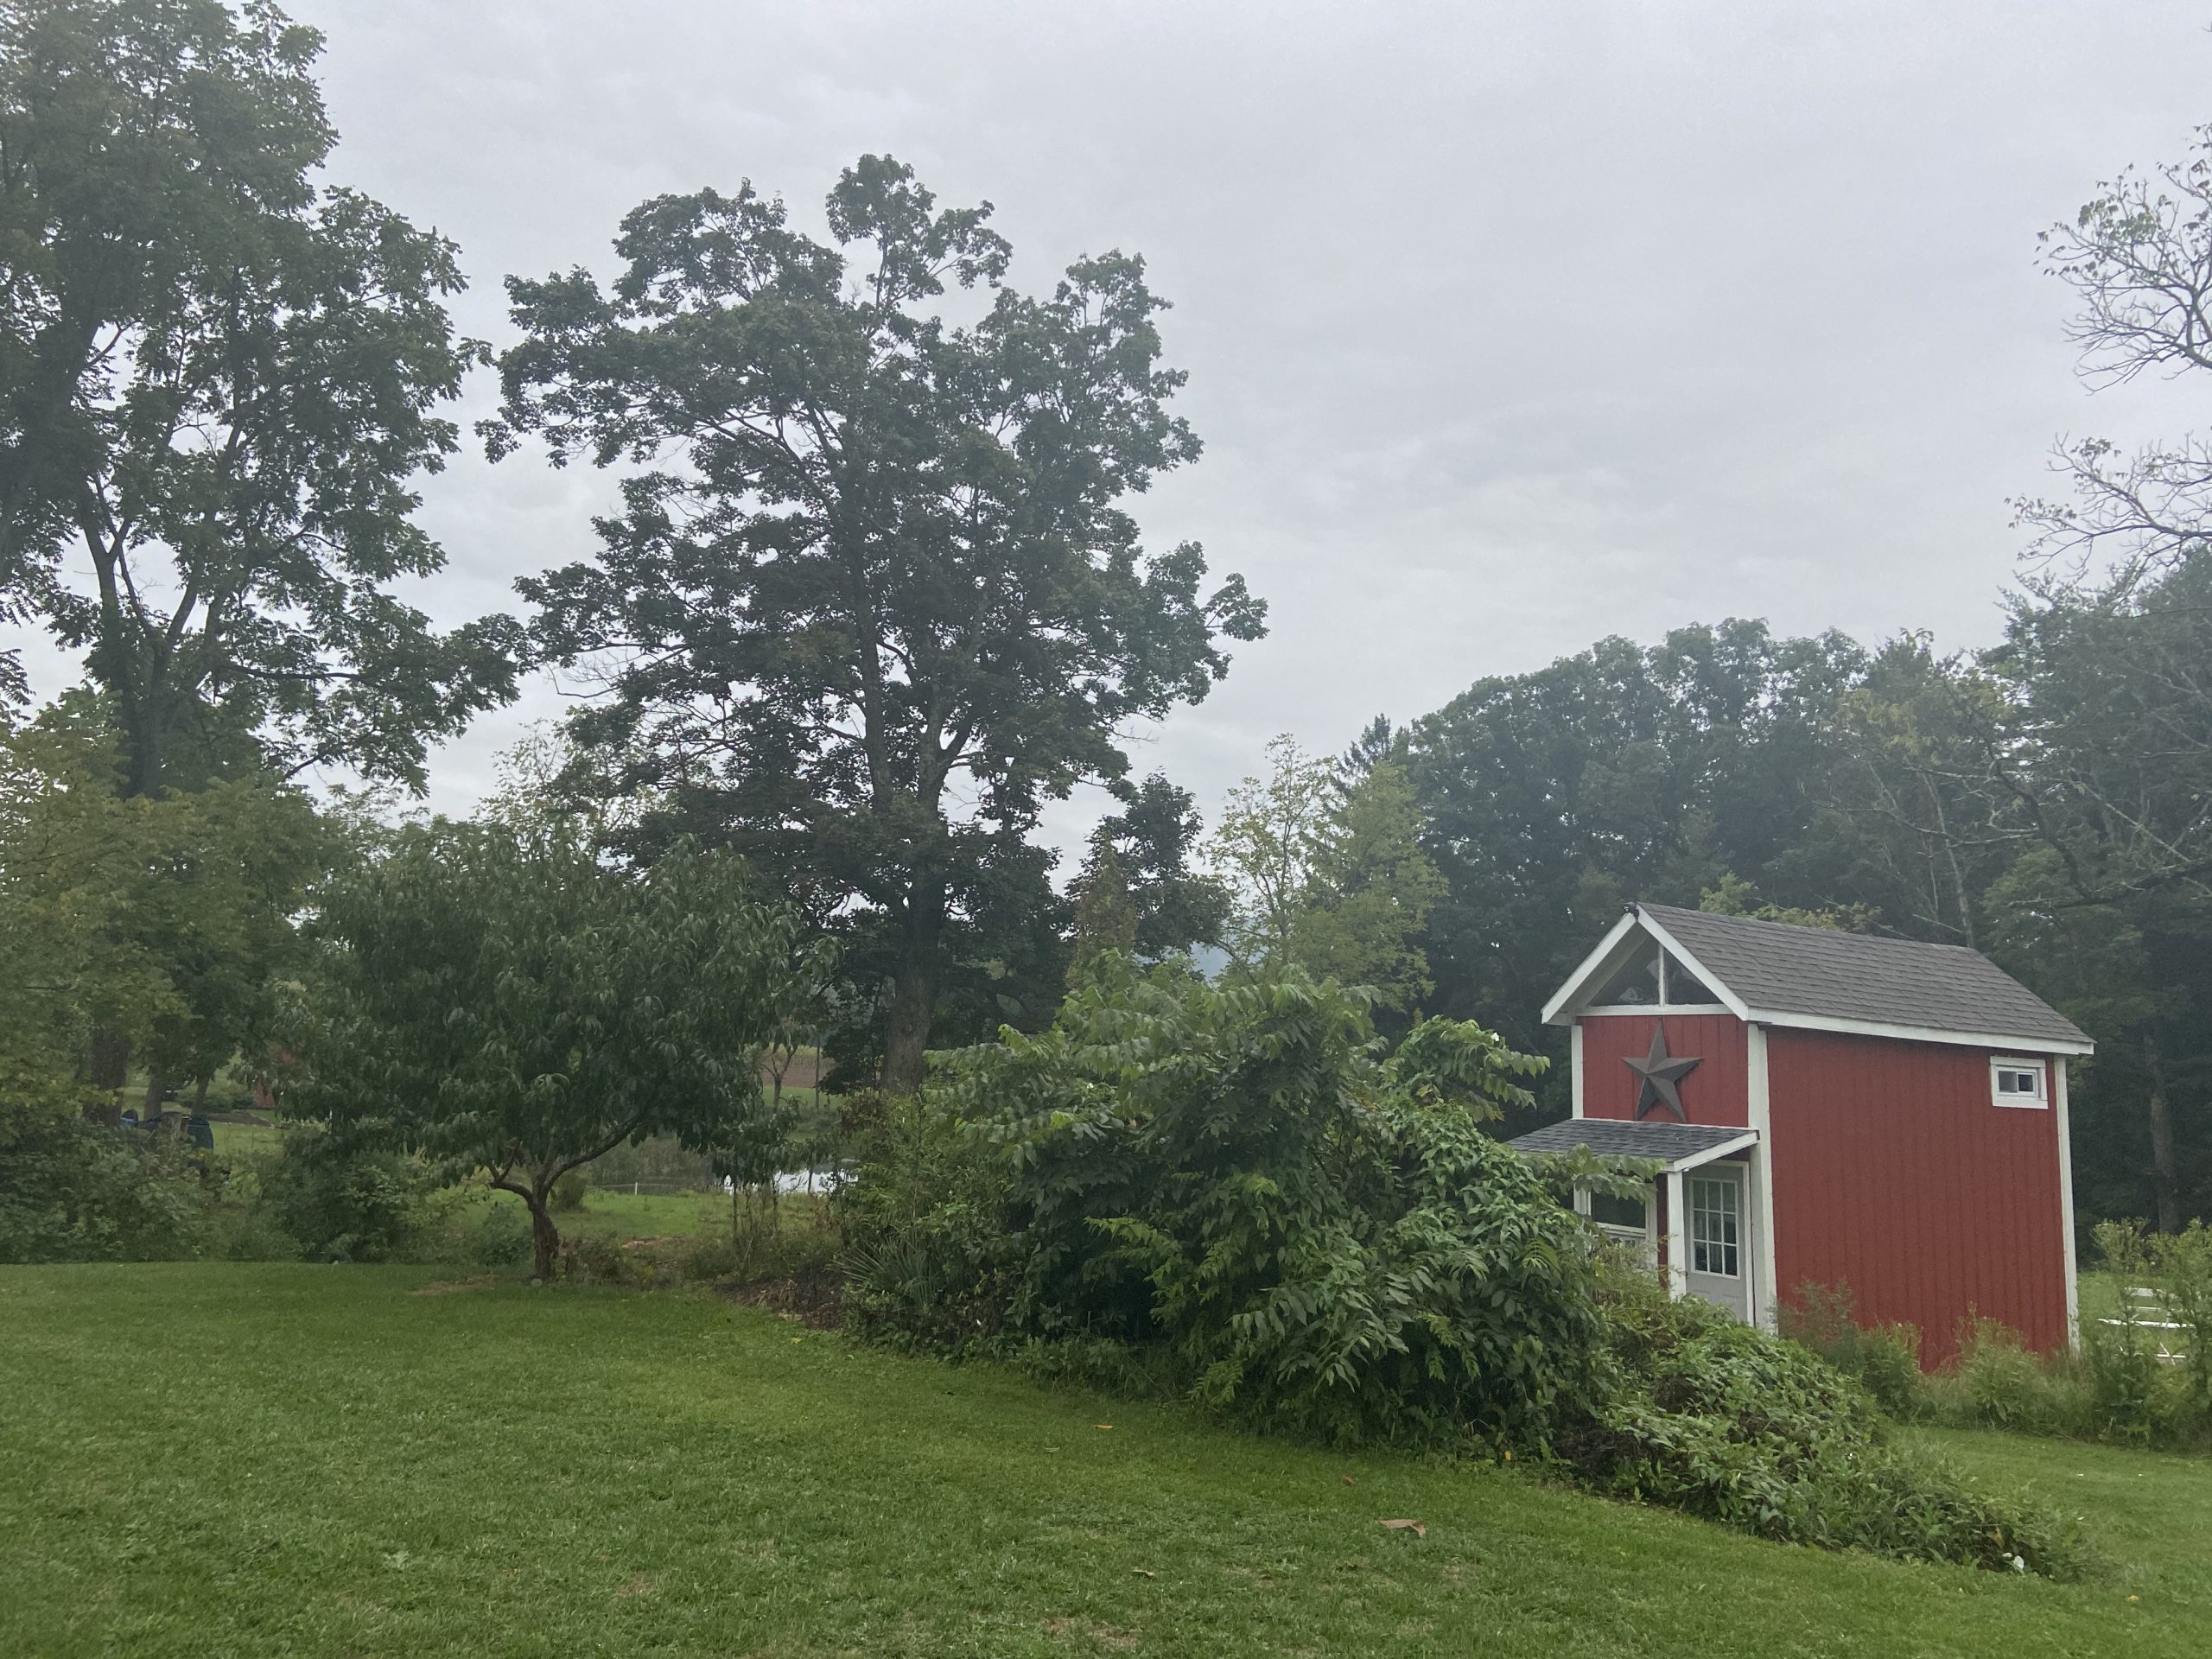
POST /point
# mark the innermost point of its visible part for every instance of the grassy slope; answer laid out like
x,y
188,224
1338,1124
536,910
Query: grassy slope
x,y
257,1459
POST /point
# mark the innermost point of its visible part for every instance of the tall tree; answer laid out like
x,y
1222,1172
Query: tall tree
x,y
1372,890
2139,256
1919,811
161,922
1156,836
217,385
1105,914
1267,844
1328,873
872,595
2113,699
1625,772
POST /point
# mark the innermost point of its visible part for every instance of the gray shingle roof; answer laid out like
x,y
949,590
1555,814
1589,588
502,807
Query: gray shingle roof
x,y
1612,1138
1776,968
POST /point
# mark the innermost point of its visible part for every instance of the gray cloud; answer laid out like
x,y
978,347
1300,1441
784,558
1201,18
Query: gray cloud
x,y
1507,327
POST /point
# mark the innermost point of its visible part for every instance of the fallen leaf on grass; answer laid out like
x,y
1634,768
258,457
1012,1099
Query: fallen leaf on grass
x,y
1349,1481
1414,1527
1147,1573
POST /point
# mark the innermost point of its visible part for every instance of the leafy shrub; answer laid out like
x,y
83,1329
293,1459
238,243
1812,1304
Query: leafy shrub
x,y
341,1203
649,1263
247,1232
568,1194
1321,1239
601,1260
2183,1264
71,1191
1999,1383
929,1251
711,1258
1707,1415
1884,1358
1229,1194
470,1226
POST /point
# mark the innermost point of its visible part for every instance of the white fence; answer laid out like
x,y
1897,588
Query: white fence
x,y
2151,1314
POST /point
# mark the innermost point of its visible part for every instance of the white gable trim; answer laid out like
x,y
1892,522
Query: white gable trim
x,y
1563,1005
1578,981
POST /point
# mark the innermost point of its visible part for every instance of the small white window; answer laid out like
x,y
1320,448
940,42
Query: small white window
x,y
2016,1082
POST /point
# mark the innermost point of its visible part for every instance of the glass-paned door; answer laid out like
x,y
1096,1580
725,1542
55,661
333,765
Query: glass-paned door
x,y
1719,1266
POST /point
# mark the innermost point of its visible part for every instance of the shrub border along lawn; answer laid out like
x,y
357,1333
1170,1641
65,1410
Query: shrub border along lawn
x,y
260,1459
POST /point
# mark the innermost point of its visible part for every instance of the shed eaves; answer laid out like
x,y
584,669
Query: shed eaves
x,y
1777,968
1615,1138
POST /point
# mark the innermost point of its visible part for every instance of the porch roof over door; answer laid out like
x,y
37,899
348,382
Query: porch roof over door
x,y
1678,1146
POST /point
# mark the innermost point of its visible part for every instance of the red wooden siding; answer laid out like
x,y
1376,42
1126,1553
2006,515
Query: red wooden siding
x,y
1895,1173
1717,1092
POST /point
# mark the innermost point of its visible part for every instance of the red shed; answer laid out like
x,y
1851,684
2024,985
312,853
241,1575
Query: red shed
x,y
1830,1109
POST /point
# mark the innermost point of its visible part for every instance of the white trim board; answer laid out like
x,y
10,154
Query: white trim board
x,y
2066,1201
1588,968
1998,1040
1760,1108
1714,1155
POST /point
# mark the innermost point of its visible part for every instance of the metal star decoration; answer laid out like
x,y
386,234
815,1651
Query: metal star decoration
x,y
1660,1073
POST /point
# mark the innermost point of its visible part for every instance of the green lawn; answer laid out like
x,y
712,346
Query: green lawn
x,y
280,1460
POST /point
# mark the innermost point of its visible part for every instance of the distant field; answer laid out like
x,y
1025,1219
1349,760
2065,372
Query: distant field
x,y
244,1460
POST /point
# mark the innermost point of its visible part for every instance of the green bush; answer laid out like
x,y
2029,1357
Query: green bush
x,y
1884,1358
927,1263
1999,1383
2183,1262
1315,1236
341,1203
711,1259
1704,1413
569,1192
1231,1193
498,1236
71,1191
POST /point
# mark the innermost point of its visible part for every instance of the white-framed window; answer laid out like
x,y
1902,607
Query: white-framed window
x,y
1714,1222
2017,1082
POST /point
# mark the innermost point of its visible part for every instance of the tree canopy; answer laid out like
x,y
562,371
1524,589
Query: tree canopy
x,y
498,997
218,384
873,595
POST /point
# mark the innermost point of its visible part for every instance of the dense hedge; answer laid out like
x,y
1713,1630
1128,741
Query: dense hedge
x,y
1236,1193
74,1190
1702,1413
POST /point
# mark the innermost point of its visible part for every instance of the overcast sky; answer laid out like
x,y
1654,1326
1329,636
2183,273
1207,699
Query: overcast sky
x,y
1508,326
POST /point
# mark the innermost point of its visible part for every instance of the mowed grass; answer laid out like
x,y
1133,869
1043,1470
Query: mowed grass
x,y
233,1458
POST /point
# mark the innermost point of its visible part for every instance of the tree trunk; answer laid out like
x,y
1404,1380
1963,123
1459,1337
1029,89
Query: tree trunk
x,y
914,991
544,1236
2165,1169
109,1068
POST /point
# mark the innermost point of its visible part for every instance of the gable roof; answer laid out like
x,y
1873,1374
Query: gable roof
x,y
1774,973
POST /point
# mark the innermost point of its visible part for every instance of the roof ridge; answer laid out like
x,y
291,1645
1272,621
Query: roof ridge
x,y
1917,987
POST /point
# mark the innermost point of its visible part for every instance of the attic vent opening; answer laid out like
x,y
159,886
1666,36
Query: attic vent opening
x,y
1653,978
